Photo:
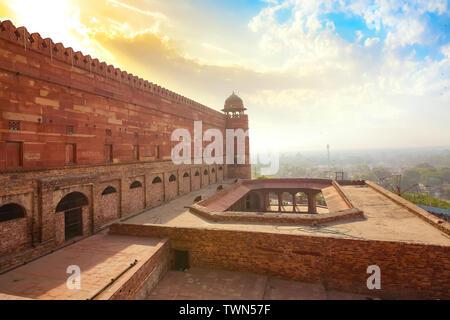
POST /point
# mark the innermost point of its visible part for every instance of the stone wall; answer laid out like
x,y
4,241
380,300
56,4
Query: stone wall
x,y
14,236
70,123
40,191
408,270
57,97
137,284
109,206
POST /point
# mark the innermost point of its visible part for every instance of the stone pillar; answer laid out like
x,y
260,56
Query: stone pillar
x,y
294,203
312,202
266,201
279,201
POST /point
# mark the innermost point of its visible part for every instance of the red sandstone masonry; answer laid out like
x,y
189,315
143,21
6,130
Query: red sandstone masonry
x,y
277,217
33,43
48,87
37,192
141,279
408,270
51,89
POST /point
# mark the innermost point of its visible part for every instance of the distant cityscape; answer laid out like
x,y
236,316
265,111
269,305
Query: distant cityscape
x,y
408,171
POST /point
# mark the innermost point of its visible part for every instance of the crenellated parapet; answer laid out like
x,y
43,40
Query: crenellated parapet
x,y
57,51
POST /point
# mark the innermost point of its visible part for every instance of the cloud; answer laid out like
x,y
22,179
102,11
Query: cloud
x,y
298,77
153,14
371,41
366,87
446,50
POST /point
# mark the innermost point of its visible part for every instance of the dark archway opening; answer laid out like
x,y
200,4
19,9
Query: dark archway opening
x,y
109,190
135,184
181,260
72,205
156,180
11,211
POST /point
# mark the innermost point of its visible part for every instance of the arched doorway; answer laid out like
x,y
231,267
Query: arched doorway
x,y
72,206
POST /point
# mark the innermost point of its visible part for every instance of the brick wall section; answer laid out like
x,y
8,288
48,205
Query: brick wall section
x,y
213,175
156,190
171,186
47,93
407,270
39,191
109,204
196,180
205,177
17,234
18,257
136,196
219,174
276,217
185,184
14,235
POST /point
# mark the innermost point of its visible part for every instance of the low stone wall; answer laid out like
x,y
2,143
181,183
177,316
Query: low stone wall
x,y
277,217
411,207
343,194
140,280
16,259
408,270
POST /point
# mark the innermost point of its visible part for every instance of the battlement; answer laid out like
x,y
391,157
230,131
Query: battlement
x,y
57,51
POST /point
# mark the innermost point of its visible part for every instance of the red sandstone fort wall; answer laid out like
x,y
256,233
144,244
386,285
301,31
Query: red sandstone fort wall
x,y
62,114
408,270
64,98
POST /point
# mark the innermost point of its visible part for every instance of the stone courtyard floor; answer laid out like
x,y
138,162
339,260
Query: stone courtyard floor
x,y
203,284
100,257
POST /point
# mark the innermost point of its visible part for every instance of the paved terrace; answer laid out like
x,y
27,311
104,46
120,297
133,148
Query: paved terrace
x,y
100,258
383,219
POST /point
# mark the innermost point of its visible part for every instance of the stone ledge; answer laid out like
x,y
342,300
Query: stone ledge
x,y
276,217
342,194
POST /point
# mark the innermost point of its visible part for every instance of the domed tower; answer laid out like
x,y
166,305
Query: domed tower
x,y
237,119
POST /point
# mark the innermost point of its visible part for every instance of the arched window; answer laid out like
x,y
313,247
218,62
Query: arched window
x,y
197,173
172,178
71,201
135,185
11,211
156,180
220,168
205,172
186,175
213,170
109,190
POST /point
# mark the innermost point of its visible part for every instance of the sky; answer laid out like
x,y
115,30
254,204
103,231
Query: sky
x,y
351,74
